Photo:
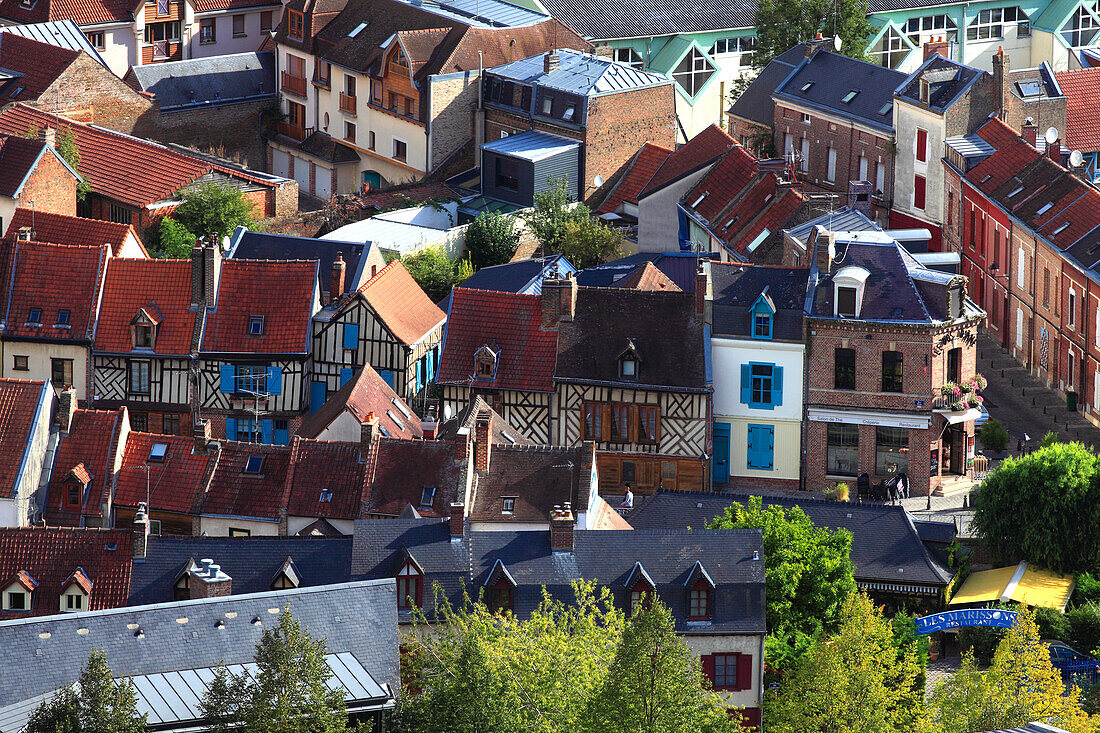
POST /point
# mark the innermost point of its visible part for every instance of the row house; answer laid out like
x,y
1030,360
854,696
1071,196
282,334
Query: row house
x,y
417,71
572,365
26,423
31,170
1026,231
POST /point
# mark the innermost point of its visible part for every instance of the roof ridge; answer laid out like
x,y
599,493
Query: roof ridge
x,y
376,276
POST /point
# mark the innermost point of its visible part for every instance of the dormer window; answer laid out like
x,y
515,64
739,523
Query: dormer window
x,y
847,98
287,578
762,314
700,590
63,317
256,326
399,59
158,452
72,602
35,316
508,505
143,336
427,497
295,24
641,589
485,364
501,597
17,596
326,496
75,592
254,464
73,495
846,302
410,587
629,362
849,284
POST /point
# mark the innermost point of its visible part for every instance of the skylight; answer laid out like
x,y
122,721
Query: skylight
x,y
886,109
404,410
1061,229
355,31
385,433
63,317
427,497
1044,209
326,496
254,464
847,98
400,425
730,222
508,437
158,452
986,178
1021,188
806,87
256,326
698,200
35,316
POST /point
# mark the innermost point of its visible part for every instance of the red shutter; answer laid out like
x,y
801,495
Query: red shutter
x,y
744,671
922,146
708,667
919,185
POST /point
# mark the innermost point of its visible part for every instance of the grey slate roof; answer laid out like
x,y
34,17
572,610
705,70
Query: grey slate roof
x,y
210,81
606,556
249,245
360,618
883,537
947,79
736,289
609,19
756,103
579,73
252,563
680,267
511,277
62,33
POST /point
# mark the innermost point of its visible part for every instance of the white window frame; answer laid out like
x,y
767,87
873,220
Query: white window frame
x,y
1020,279
1019,328
393,149
830,165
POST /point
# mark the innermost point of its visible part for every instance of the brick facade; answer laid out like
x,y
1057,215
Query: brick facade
x,y
50,187
230,131
88,92
453,111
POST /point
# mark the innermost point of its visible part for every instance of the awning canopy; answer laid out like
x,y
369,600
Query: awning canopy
x,y
954,417
1022,583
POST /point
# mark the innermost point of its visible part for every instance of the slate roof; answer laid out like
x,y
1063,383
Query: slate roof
x,y
948,81
501,45
252,563
601,19
91,443
325,147
639,171
18,157
537,477
704,148
19,402
755,103
50,555
282,292
503,432
64,33
403,468
737,287
512,277
38,65
234,493
35,285
209,81
175,484
680,267
580,73
248,245
605,556
72,230
361,395
352,617
326,479
161,286
508,322
402,306
883,536
1082,90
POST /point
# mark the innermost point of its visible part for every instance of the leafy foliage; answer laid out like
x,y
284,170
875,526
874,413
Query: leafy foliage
x,y
782,24
1087,588
99,704
993,435
980,641
214,209
1049,438
65,144
588,242
808,574
1044,508
174,241
552,213
491,239
1084,628
856,680
434,272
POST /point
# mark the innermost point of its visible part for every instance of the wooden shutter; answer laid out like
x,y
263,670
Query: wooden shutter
x,y
777,385
708,667
274,380
746,384
744,671
689,476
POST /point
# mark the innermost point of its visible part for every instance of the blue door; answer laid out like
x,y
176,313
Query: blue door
x,y
761,448
317,395
721,469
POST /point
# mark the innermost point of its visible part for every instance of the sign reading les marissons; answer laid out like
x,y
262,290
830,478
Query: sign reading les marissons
x,y
966,617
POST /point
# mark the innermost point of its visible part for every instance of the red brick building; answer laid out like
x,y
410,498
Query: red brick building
x,y
33,171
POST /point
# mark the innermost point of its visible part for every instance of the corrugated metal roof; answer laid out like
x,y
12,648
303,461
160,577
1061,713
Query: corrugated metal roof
x,y
209,81
970,146
845,220
61,33
482,13
532,145
579,73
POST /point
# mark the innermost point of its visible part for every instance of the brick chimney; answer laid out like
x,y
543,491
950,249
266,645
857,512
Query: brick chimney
x,y
1001,82
559,300
1030,132
814,45
550,61
458,519
66,406
368,434
462,446
701,289
483,440
936,47
561,528
48,136
820,245
429,426
206,267
200,432
208,581
141,533
1054,151
336,281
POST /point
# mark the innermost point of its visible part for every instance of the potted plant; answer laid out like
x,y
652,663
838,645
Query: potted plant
x,y
841,491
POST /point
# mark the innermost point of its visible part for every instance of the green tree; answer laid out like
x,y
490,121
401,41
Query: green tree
x,y
99,704
174,240
551,215
289,692
491,239
808,574
993,435
1044,508
214,209
434,272
1021,686
855,681
783,24
1049,438
587,242
65,144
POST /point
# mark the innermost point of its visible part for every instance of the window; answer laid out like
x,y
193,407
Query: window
x,y
500,598
295,23
892,49
919,189
762,325
891,371
400,149
804,157
265,22
74,602
238,26
143,336
170,424
399,59
844,368
693,72
138,382
954,356
485,364
63,317
729,671
158,452
370,140
256,326
880,178
238,532
989,24
846,302
806,119
842,449
699,602
119,214
61,371
139,421
508,505
96,39
547,105
507,174
647,423
409,588
73,496
251,379
891,451
16,601
628,367
208,31
641,596
847,98
761,384
620,423
160,32
35,316
349,132
922,145
1071,309
830,165
1046,288
940,26
181,590
760,454
296,115
254,464
570,112
630,57
427,497
20,363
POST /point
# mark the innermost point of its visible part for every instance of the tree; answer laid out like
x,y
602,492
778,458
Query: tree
x,y
434,272
808,574
855,681
65,144
1044,508
993,435
783,24
289,692
214,209
552,212
491,239
99,704
1021,686
174,241
587,242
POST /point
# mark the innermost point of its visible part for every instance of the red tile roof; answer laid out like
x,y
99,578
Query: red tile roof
x,y
91,443
1082,90
162,287
50,556
18,156
83,12
401,304
205,6
403,468
705,147
639,172
234,493
508,322
125,168
722,184
39,63
36,285
61,229
504,45
647,277
175,484
324,470
363,394
19,400
773,218
281,291
535,478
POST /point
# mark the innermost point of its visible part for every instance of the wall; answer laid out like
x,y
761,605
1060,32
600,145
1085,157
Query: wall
x,y
294,525
658,221
452,102
51,187
87,92
39,355
701,645
7,211
907,118
219,526
230,131
225,43
34,452
120,46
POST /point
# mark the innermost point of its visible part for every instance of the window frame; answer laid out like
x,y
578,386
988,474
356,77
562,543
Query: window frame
x,y
839,437
883,444
893,374
21,366
243,18
847,365
409,575
208,31
700,590
66,370
295,22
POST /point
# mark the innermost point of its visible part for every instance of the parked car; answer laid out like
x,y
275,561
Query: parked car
x,y
1060,652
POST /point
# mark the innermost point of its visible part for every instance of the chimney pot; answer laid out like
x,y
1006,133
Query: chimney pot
x,y
336,281
201,434
25,234
141,534
701,290
1030,132
1054,151
368,433
483,440
820,242
559,300
66,407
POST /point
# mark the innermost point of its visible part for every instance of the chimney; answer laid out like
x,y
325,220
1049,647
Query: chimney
x,y
200,432
48,136
1001,82
462,446
66,406
212,271
822,248
605,52
814,45
561,529
429,425
368,432
208,581
336,281
25,234
197,280
701,289
550,62
1030,132
936,47
141,533
559,300
1054,151
483,440
458,520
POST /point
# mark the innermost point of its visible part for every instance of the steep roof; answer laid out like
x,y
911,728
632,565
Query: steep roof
x,y
503,45
400,303
511,277
680,267
51,555
402,469
83,12
18,157
947,81
64,33
609,19
327,480
363,394
234,493
211,80
175,483
283,293
503,432
161,286
19,402
640,170
737,287
91,442
38,65
646,276
1082,90
755,103
249,245
537,477
704,148
67,307
581,73
62,229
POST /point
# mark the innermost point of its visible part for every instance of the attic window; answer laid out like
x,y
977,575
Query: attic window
x,y
254,464
427,497
731,222
485,364
404,410
73,602
846,302
158,452
507,436
355,31
410,585
769,197
628,367
699,200
1016,191
326,496
547,105
806,87
985,179
35,316
396,421
1044,209
1061,229
16,600
143,336
63,317
847,98
508,505
256,326
570,112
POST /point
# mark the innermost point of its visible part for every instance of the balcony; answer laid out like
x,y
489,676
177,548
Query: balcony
x,y
293,131
347,104
294,84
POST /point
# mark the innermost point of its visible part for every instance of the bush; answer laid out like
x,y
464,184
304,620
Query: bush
x,y
174,241
434,272
983,640
993,435
491,239
214,209
1087,589
1084,628
1052,624
588,242
1051,438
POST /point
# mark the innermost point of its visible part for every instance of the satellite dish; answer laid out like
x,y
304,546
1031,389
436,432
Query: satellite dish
x,y
1076,159
836,42
597,181
1051,136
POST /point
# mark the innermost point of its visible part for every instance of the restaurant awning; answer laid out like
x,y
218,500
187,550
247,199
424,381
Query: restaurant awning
x,y
1022,583
954,417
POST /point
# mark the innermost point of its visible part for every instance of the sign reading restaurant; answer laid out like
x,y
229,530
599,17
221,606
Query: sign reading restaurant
x,y
967,617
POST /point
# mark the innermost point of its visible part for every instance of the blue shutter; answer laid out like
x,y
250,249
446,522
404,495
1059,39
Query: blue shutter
x,y
419,371
388,378
746,384
228,378
721,470
777,385
345,375
274,380
318,393
230,428
282,436
761,448
351,335
265,432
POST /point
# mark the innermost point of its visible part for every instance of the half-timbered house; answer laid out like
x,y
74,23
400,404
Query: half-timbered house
x,y
389,323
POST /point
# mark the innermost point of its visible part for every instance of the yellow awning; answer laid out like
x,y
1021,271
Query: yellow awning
x,y
1043,588
983,586
1021,583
